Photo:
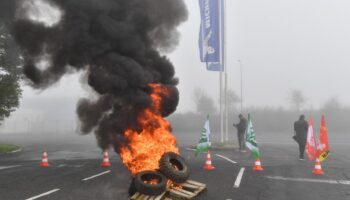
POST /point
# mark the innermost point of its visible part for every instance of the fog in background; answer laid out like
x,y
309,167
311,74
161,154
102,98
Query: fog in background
x,y
283,45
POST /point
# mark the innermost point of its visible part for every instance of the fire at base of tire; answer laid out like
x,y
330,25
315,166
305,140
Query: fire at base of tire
x,y
173,170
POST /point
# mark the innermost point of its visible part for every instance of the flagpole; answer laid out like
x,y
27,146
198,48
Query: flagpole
x,y
221,113
241,69
221,74
226,111
225,68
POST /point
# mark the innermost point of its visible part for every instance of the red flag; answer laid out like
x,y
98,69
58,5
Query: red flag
x,y
311,142
323,145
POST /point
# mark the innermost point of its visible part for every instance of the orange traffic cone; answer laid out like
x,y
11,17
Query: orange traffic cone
x,y
105,162
208,165
44,160
318,169
257,165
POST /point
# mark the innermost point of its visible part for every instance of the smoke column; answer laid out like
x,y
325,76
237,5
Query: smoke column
x,y
117,43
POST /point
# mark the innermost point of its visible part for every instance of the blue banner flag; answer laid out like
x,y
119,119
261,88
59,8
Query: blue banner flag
x,y
215,66
211,33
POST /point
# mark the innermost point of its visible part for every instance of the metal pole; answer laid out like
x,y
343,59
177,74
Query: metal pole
x,y
225,68
241,69
222,63
221,113
226,109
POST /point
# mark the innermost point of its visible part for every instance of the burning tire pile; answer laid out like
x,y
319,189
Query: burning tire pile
x,y
172,169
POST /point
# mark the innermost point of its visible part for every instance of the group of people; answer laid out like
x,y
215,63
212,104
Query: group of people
x,y
300,133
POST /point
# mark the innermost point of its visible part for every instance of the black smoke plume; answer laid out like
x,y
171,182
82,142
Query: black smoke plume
x,y
7,8
117,43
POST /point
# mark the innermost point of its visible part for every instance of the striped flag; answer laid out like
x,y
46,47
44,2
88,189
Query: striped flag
x,y
251,139
323,145
311,141
204,141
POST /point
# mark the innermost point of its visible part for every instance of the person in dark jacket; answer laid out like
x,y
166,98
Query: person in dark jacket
x,y
241,129
301,128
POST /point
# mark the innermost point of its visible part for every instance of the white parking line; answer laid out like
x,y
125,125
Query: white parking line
x,y
239,178
43,194
341,182
97,175
9,167
223,157
15,151
190,149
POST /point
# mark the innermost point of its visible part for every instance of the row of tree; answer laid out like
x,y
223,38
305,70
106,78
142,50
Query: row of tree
x,y
296,98
266,119
271,120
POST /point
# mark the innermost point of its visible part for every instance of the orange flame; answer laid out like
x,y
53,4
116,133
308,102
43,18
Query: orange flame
x,y
145,149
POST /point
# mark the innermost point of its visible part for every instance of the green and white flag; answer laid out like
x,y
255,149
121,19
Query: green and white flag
x,y
251,139
204,142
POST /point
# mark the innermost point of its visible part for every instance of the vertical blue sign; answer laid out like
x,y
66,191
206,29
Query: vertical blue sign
x,y
211,33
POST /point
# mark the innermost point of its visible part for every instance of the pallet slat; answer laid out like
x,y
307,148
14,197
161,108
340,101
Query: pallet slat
x,y
141,197
190,186
135,196
189,190
146,197
160,196
195,183
185,192
178,194
199,190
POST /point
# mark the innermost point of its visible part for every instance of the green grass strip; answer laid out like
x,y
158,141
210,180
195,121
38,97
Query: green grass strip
x,y
7,148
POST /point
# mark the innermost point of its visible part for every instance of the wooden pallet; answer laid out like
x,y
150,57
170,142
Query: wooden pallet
x,y
188,190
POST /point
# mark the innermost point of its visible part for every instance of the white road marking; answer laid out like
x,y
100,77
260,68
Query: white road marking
x,y
342,182
239,178
190,149
71,166
43,194
15,151
97,175
223,157
9,167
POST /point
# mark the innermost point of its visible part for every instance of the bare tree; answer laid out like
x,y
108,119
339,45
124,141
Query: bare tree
x,y
296,99
204,103
332,104
232,100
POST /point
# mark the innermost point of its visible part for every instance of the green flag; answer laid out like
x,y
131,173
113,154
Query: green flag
x,y
204,142
251,139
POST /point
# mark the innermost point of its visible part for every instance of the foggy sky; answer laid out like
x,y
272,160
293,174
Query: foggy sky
x,y
283,45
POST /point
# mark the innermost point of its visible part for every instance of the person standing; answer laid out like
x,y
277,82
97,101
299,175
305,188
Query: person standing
x,y
301,128
241,129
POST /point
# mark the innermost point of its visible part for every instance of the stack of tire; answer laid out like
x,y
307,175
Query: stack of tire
x,y
171,166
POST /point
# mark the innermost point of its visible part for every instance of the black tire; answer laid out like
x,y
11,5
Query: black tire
x,y
174,167
147,188
132,189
